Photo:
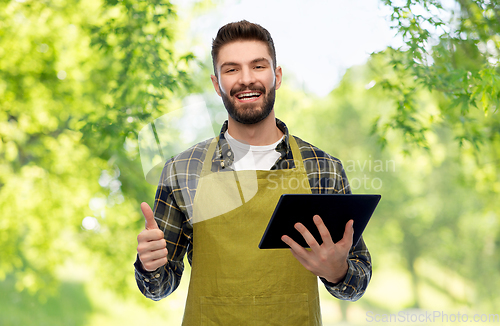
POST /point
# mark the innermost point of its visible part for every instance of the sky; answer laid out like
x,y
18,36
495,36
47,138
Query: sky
x,y
315,40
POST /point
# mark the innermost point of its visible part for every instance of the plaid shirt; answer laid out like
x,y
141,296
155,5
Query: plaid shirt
x,y
174,203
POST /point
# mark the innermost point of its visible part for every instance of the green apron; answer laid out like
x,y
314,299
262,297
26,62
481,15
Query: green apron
x,y
233,282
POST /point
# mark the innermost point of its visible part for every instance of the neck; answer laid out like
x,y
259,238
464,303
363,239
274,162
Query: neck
x,y
262,133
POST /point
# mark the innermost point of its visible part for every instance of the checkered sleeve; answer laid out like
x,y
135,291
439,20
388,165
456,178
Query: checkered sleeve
x,y
359,260
177,233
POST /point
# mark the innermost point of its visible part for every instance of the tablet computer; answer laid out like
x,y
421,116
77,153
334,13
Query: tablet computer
x,y
334,209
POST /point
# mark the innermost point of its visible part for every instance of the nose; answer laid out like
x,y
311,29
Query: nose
x,y
247,76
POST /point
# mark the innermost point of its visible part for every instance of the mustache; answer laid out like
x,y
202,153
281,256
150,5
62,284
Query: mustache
x,y
242,89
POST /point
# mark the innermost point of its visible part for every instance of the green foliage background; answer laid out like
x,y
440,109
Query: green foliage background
x,y
78,80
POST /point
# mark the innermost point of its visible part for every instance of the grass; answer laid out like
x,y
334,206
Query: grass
x,y
70,307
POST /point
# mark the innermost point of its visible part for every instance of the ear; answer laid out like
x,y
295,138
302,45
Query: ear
x,y
279,76
215,83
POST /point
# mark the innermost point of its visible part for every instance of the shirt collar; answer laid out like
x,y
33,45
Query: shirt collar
x,y
224,156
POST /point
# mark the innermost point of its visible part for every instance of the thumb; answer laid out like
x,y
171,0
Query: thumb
x,y
148,216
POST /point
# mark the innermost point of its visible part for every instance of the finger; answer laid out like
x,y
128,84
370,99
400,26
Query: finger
x,y
154,245
348,234
148,216
154,255
155,264
150,235
147,254
311,241
302,260
144,248
294,246
323,231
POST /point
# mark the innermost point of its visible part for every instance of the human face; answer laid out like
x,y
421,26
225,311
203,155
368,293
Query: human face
x,y
246,80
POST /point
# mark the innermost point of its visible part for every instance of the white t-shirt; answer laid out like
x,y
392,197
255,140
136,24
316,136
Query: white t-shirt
x,y
248,157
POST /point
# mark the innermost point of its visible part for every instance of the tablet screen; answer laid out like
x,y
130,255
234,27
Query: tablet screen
x,y
334,209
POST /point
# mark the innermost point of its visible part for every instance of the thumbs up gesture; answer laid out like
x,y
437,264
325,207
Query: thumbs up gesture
x,y
151,246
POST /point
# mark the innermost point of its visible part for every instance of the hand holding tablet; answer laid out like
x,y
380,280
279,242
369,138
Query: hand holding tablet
x,y
328,260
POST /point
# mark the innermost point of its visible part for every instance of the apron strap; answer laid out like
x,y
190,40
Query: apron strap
x,y
207,163
297,157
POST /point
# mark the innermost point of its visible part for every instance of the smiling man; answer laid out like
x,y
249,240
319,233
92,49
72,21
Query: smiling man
x,y
232,281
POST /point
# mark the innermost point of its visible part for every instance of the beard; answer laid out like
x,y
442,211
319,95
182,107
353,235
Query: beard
x,y
249,113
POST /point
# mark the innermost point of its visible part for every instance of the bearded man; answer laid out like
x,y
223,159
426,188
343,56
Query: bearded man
x,y
214,201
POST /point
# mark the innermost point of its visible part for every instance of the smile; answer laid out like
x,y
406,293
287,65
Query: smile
x,y
248,97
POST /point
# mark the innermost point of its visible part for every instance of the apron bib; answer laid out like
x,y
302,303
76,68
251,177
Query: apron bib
x,y
233,282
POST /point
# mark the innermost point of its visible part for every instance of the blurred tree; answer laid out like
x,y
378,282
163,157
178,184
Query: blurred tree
x,y
77,80
439,206
453,50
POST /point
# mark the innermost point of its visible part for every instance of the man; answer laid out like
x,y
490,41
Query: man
x,y
216,215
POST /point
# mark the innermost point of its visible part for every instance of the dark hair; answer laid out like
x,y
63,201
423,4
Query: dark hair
x,y
242,30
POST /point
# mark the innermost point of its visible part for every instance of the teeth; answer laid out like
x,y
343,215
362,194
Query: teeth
x,y
248,95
